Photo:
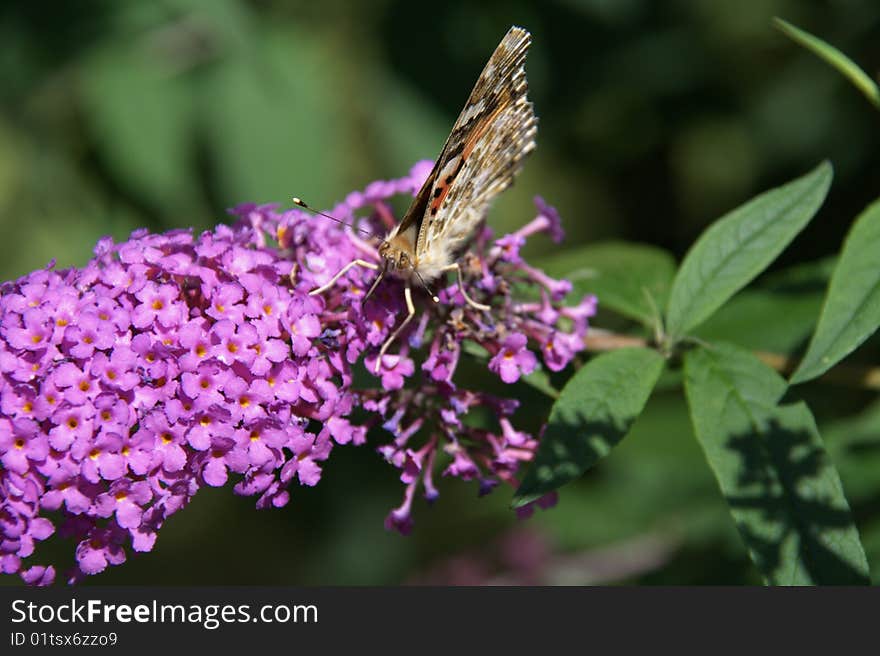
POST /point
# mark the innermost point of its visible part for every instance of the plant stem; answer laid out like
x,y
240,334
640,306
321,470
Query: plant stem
x,y
849,375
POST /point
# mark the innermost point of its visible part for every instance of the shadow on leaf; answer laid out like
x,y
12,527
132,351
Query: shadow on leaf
x,y
786,510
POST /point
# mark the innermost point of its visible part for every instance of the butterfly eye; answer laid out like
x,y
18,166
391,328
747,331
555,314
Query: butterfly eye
x,y
403,262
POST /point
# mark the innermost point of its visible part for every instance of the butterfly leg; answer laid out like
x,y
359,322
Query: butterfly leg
x,y
457,268
376,282
411,312
342,272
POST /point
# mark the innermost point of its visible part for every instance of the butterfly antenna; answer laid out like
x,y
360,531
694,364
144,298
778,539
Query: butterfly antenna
x,y
425,285
306,206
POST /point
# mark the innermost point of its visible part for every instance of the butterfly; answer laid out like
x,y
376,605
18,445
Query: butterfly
x,y
484,151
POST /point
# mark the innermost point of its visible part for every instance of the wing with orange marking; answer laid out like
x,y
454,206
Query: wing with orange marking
x,y
484,151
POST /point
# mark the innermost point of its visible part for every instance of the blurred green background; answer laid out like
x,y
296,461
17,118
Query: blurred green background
x,y
655,118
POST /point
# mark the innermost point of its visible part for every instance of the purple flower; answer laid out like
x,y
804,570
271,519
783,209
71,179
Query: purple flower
x,y
560,348
167,439
21,445
103,460
400,519
558,289
39,575
30,331
234,343
204,385
86,335
580,313
510,245
116,371
394,370
102,547
125,500
71,423
302,331
194,337
69,490
441,363
549,220
220,458
112,414
513,359
158,303
226,303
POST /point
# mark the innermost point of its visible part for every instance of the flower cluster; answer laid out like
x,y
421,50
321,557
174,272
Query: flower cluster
x,y
425,420
174,361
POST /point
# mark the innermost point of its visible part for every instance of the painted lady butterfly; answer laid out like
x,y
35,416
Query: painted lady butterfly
x,y
494,132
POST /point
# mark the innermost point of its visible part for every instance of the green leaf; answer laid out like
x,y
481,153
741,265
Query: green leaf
x,y
593,413
771,465
851,312
631,279
659,489
273,121
831,55
739,246
854,444
140,112
777,315
540,380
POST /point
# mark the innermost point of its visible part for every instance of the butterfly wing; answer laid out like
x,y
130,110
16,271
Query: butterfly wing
x,y
484,151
